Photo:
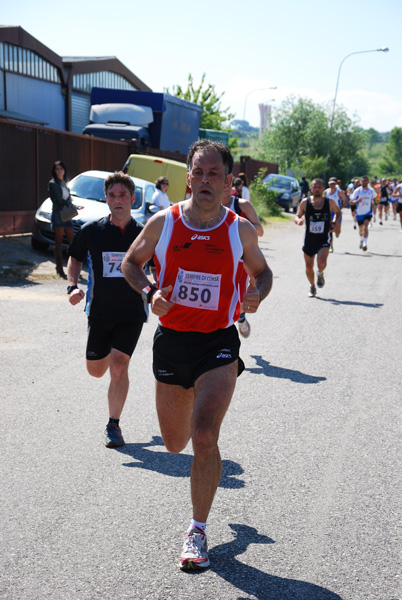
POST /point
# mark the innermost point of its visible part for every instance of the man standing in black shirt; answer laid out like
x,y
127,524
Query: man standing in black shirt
x,y
115,311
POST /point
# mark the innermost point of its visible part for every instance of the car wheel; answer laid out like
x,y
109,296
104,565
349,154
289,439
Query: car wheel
x,y
36,245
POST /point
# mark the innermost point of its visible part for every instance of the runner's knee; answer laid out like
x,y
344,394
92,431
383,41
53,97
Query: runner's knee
x,y
118,365
205,439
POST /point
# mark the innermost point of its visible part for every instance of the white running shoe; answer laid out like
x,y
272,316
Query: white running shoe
x,y
244,328
195,550
370,225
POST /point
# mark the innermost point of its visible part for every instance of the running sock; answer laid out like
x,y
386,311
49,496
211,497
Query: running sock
x,y
193,524
242,317
113,421
319,273
365,241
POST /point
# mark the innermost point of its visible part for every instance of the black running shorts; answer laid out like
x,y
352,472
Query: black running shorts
x,y
312,245
180,357
104,334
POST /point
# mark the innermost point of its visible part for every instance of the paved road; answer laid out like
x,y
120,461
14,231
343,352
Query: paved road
x,y
309,503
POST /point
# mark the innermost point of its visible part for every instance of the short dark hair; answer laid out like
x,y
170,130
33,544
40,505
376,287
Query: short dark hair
x,y
57,164
122,178
210,146
319,181
160,181
237,181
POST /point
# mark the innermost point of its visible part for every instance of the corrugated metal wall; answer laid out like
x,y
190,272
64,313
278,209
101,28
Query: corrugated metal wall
x,y
27,153
80,107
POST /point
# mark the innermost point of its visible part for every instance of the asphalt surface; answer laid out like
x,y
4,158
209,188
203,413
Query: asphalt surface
x,y
309,503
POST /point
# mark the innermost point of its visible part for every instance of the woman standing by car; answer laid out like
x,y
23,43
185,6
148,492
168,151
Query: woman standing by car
x,y
59,195
160,197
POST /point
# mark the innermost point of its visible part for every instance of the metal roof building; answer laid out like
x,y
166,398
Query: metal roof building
x,y
39,86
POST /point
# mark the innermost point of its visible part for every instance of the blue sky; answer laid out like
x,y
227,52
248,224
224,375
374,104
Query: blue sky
x,y
241,46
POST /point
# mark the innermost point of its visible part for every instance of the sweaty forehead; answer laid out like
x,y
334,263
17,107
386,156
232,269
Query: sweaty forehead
x,y
117,188
207,159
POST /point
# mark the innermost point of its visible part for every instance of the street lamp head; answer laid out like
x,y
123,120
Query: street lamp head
x,y
383,49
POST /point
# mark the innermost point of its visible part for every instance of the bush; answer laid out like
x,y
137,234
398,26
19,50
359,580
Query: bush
x,y
264,199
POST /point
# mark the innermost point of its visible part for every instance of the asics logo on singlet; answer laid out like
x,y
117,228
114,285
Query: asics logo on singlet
x,y
200,237
221,355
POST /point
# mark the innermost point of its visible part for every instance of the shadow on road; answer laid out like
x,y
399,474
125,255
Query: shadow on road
x,y
350,303
253,581
365,255
265,368
176,465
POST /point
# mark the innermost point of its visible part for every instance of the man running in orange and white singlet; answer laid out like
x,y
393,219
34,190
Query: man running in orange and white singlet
x,y
376,185
199,249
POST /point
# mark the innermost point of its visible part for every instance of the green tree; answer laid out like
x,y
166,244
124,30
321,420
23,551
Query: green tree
x,y
264,199
299,138
392,162
213,116
373,137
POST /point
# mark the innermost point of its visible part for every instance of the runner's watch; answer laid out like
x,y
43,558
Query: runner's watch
x,y
71,288
147,293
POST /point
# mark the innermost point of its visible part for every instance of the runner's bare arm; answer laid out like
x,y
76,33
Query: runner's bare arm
x,y
249,211
335,209
255,265
299,218
73,272
140,251
343,197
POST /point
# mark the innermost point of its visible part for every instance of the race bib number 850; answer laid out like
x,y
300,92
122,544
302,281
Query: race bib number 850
x,y
112,264
197,290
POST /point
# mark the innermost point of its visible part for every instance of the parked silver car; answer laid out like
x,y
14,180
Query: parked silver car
x,y
88,194
287,188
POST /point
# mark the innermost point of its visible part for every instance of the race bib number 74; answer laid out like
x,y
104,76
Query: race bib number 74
x,y
197,290
112,264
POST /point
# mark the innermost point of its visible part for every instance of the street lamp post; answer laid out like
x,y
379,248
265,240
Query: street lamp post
x,y
336,93
247,95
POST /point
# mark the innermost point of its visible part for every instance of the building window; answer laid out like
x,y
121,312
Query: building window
x,y
107,79
20,60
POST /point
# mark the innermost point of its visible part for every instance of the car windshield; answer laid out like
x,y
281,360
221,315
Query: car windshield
x,y
279,182
91,188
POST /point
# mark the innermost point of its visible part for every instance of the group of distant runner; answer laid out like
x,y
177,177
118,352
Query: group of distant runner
x,y
322,214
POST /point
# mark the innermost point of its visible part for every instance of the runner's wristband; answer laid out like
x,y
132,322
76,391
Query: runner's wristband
x,y
147,293
71,288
